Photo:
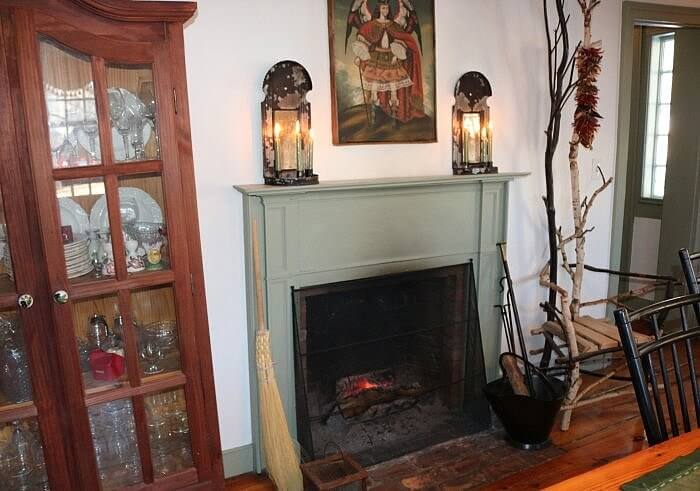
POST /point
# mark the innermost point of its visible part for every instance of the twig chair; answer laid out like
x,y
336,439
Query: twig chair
x,y
649,369
592,338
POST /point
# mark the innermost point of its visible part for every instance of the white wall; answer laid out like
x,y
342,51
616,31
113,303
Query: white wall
x,y
231,44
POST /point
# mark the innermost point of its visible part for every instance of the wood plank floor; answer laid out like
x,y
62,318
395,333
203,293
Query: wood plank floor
x,y
599,434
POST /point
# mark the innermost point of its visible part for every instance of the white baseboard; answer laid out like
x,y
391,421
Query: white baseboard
x,y
238,460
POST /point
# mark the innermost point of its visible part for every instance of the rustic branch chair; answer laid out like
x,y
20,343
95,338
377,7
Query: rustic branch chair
x,y
594,338
644,373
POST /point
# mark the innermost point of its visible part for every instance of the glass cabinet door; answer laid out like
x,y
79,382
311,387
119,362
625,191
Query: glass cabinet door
x,y
117,251
32,450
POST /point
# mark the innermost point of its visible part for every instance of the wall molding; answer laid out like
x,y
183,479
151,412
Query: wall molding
x,y
634,14
238,460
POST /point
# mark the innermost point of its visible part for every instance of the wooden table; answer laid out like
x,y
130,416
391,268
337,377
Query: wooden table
x,y
624,470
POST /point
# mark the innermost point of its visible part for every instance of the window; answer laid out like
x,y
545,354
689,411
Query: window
x,y
658,116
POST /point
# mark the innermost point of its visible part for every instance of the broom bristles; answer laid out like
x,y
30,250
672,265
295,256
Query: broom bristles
x,y
281,456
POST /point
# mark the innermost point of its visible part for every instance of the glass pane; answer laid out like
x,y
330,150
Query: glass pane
x,y
661,151
22,465
85,229
116,445
70,105
665,88
169,432
154,316
143,219
99,333
659,182
663,124
133,114
15,381
667,48
7,281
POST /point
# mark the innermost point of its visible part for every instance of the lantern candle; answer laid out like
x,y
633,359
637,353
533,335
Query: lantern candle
x,y
297,137
310,167
484,145
465,141
278,132
490,149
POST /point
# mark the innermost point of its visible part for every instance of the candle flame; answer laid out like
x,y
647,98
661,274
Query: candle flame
x,y
311,133
297,128
278,130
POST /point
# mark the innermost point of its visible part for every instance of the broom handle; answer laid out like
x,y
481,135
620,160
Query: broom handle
x,y
258,279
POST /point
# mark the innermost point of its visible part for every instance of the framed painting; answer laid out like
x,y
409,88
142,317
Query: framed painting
x,y
382,71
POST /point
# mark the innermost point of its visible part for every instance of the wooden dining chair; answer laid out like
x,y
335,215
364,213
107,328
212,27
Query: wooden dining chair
x,y
691,278
650,368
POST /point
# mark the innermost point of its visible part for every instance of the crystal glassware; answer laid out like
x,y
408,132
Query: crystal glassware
x,y
164,333
151,352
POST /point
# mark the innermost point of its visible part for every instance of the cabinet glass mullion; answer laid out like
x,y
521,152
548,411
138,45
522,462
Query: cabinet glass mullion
x,y
114,210
99,73
130,341
144,443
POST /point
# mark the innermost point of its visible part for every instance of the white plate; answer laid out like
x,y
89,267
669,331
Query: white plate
x,y
147,208
82,272
73,215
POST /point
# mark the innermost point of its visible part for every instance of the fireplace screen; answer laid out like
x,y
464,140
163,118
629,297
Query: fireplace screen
x,y
389,365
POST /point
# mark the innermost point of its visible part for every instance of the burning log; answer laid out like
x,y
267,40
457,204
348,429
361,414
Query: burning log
x,y
356,394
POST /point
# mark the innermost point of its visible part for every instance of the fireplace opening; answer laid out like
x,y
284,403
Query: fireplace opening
x,y
389,365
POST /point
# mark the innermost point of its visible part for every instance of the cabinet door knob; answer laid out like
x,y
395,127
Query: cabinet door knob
x,y
60,296
25,301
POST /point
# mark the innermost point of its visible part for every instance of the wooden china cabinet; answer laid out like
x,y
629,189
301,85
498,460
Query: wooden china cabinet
x,y
105,365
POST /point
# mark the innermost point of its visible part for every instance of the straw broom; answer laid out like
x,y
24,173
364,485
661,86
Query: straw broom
x,y
280,452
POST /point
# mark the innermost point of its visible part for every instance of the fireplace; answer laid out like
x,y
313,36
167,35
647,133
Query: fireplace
x,y
388,365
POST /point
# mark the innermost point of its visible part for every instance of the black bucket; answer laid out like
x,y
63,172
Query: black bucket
x,y
527,420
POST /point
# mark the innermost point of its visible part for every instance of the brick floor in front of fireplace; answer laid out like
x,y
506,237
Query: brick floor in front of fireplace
x,y
599,434
468,462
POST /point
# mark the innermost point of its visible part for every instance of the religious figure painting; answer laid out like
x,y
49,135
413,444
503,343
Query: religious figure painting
x,y
382,71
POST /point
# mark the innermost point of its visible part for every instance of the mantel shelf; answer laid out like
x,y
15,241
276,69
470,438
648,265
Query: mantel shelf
x,y
390,182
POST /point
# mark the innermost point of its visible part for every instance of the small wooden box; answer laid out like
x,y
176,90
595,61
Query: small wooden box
x,y
336,472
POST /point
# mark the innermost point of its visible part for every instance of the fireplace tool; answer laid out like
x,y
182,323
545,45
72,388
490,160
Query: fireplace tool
x,y
527,404
281,457
511,318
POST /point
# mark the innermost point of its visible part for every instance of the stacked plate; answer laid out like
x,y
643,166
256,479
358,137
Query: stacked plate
x,y
78,262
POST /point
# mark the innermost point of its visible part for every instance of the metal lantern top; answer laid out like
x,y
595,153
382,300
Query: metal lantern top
x,y
472,91
286,84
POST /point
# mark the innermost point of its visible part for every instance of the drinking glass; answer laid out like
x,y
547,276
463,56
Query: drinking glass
x,y
151,352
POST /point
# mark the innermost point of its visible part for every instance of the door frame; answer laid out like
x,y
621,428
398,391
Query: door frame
x,y
634,14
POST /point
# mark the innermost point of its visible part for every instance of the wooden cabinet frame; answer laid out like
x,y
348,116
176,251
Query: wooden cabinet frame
x,y
117,31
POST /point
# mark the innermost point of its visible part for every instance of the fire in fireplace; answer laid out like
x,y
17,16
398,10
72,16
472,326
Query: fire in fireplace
x,y
389,365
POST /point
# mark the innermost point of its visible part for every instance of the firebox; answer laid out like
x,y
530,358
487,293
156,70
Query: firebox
x,y
389,365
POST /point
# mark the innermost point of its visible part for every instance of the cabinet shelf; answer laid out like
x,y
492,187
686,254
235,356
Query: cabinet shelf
x,y
92,287
155,383
17,411
144,167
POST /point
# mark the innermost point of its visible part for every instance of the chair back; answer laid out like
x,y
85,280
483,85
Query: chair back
x,y
656,367
691,278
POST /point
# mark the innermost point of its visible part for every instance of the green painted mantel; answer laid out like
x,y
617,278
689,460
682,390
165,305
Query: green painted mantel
x,y
345,230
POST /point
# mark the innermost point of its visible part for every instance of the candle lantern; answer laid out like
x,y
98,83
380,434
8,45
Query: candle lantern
x,y
288,140
472,131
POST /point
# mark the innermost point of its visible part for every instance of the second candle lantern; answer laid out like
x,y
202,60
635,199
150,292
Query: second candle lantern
x,y
288,145
472,131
